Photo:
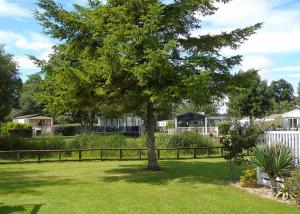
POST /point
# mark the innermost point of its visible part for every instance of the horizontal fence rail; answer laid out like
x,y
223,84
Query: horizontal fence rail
x,y
21,156
290,139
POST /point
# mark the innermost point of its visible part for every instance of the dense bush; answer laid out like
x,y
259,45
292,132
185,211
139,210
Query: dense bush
x,y
17,129
223,127
276,160
191,139
248,179
292,185
67,129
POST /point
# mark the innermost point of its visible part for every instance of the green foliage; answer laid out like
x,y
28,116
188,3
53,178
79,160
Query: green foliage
x,y
170,125
10,84
282,91
276,160
124,56
276,123
29,103
224,127
191,139
241,138
16,129
253,102
292,185
248,179
67,129
284,106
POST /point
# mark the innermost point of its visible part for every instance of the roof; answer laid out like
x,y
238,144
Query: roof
x,y
272,117
190,116
33,116
27,116
292,114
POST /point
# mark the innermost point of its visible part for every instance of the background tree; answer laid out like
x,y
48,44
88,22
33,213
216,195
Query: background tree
x,y
140,54
298,97
284,96
29,103
254,102
10,84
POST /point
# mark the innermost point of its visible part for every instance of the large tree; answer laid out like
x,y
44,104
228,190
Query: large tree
x,y
282,90
253,102
283,93
140,54
10,84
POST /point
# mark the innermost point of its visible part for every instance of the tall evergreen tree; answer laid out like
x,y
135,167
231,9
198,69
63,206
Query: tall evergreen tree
x,y
10,84
140,54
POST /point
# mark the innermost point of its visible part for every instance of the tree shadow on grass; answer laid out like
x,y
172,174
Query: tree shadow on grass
x,y
27,181
35,208
179,171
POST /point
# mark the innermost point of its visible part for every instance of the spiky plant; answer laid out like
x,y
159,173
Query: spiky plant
x,y
274,159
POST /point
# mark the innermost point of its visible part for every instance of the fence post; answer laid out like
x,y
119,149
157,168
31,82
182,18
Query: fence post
x,y
59,156
177,153
79,154
158,153
121,151
18,157
39,156
194,153
208,152
101,154
140,154
222,151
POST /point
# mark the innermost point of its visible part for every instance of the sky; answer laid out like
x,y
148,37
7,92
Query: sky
x,y
274,50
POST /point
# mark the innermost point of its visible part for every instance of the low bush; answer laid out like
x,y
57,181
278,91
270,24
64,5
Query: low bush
x,y
292,185
224,127
17,129
191,139
248,179
67,129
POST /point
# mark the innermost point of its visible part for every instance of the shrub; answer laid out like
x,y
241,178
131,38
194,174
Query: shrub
x,y
170,125
223,127
67,129
17,129
276,160
292,185
248,179
240,139
191,139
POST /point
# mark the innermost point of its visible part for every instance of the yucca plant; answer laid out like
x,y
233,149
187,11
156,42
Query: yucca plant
x,y
274,159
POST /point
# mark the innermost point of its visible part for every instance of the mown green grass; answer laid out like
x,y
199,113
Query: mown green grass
x,y
197,186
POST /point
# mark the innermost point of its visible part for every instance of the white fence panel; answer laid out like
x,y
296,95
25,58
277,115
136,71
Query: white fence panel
x,y
290,139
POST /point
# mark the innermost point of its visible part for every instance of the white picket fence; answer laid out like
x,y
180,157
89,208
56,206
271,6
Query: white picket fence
x,y
290,139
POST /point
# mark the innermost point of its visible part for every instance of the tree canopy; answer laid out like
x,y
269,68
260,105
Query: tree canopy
x,y
29,103
282,90
10,84
254,102
126,55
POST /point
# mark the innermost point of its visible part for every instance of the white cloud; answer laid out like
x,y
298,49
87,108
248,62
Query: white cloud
x,y
37,42
287,68
294,75
12,10
280,33
25,63
32,41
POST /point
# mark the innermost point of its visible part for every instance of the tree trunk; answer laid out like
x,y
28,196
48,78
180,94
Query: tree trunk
x,y
150,125
273,184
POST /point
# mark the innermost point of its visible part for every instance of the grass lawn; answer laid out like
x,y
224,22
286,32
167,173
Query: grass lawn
x,y
194,186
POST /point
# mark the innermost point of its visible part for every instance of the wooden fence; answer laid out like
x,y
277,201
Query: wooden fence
x,y
140,154
290,139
